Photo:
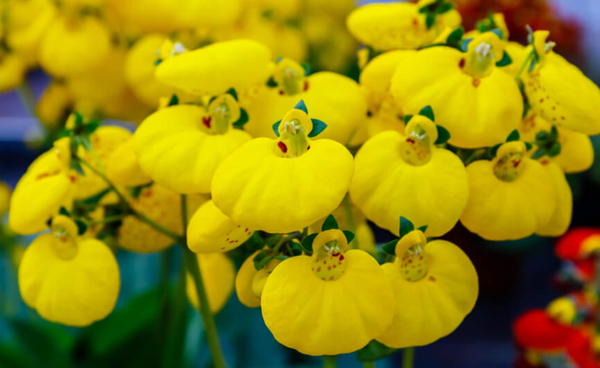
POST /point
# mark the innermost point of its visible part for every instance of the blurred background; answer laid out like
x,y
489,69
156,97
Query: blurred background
x,y
514,276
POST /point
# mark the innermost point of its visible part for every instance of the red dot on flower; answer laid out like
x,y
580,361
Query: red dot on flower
x,y
305,85
282,147
206,121
461,64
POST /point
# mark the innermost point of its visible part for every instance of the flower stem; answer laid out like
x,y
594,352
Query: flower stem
x,y
330,361
350,219
527,61
210,328
285,239
408,358
26,96
105,220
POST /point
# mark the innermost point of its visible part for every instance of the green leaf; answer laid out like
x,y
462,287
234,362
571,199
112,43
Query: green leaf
x,y
233,93
306,67
318,127
406,118
390,247
374,351
443,135
529,34
242,120
464,45
258,259
554,132
174,100
497,32
296,248
427,111
430,20
92,126
406,226
537,154
49,345
81,227
307,242
78,119
506,60
254,242
349,235
301,106
63,211
455,37
271,82
513,136
75,165
554,150
494,150
541,136
16,358
272,240
423,228
329,223
528,146
276,127
446,7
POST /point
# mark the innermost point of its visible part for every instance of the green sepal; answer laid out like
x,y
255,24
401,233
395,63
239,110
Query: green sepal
x,y
157,62
537,154
233,93
296,248
318,127
506,60
75,165
407,118
554,150
242,120
84,141
443,135
430,20
390,247
427,111
554,132
446,7
271,82
497,32
81,227
422,228
455,37
276,127
464,45
307,242
374,351
258,258
174,100
78,119
406,226
254,242
513,136
329,223
349,236
137,190
91,126
211,100
261,264
532,66
494,150
278,60
528,146
301,106
306,67
63,211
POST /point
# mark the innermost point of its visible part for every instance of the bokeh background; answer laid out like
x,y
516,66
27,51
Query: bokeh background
x,y
514,276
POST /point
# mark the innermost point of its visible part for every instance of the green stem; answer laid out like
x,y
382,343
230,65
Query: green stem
x,y
26,96
284,240
527,61
106,220
191,263
350,219
369,364
330,361
408,358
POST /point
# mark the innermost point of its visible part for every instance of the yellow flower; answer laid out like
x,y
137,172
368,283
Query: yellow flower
x,y
576,150
238,64
283,185
68,279
559,92
4,198
561,218
333,98
42,191
180,147
463,90
74,46
218,275
397,25
160,205
331,303
243,283
211,231
435,285
26,23
12,71
123,167
406,175
53,105
511,197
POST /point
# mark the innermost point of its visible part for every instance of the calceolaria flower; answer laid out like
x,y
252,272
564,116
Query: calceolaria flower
x,y
181,146
123,167
558,91
435,285
244,280
561,216
218,274
406,173
511,196
463,89
284,184
68,279
330,303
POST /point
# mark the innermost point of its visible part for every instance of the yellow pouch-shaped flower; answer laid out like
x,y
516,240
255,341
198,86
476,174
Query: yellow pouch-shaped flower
x,y
397,25
211,231
12,71
53,106
406,175
180,147
71,47
559,92
139,70
68,280
243,283
26,24
463,90
42,191
561,217
283,185
435,285
331,303
207,13
511,197
218,274
238,64
123,168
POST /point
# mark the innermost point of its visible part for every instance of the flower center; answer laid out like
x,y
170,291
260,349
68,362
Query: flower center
x,y
482,54
293,139
416,148
290,77
260,279
414,264
509,167
328,263
65,245
221,113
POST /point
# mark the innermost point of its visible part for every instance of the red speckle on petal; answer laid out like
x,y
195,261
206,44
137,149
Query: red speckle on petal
x,y
341,257
305,85
541,100
206,121
282,147
307,148
461,64
476,83
319,269
281,92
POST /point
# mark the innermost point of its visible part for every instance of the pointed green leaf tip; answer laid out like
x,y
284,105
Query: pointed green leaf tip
x,y
407,118
301,106
506,60
349,235
464,46
427,112
81,227
173,101
405,226
390,247
242,120
329,223
276,127
318,127
63,211
307,242
233,93
443,135
513,136
423,228
455,37
497,32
